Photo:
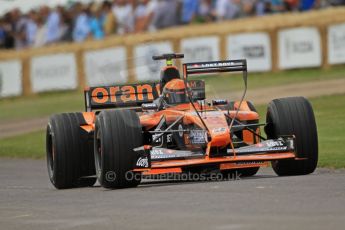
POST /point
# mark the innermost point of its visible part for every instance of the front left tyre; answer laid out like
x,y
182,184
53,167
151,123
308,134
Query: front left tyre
x,y
69,152
117,133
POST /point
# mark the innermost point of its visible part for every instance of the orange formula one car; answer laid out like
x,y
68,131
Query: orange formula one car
x,y
168,127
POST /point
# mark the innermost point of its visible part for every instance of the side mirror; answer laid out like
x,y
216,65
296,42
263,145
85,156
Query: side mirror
x,y
149,106
219,102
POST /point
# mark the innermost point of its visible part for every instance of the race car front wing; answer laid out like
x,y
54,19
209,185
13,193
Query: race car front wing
x,y
151,158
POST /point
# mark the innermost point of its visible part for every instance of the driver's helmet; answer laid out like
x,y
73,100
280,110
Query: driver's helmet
x,y
174,92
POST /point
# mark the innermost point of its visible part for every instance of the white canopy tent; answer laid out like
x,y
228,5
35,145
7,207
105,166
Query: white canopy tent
x,y
27,5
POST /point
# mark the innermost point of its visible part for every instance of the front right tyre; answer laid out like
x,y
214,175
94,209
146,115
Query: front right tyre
x,y
294,116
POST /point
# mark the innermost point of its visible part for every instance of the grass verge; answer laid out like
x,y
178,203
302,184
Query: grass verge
x,y
329,112
30,145
330,118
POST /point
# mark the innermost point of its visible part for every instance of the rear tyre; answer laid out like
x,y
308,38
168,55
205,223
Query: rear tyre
x,y
117,133
69,152
294,116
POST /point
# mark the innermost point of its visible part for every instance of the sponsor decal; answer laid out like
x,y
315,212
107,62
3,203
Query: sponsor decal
x,y
198,137
218,64
143,162
277,143
219,102
122,94
278,148
149,106
142,93
159,140
163,156
267,146
213,65
219,130
156,152
249,162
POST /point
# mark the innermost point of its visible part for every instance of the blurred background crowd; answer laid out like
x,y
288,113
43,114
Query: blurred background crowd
x,y
76,21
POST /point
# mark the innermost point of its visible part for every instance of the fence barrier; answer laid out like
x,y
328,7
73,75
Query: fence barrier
x,y
269,43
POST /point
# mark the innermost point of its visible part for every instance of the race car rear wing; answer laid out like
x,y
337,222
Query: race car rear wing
x,y
131,95
214,67
200,68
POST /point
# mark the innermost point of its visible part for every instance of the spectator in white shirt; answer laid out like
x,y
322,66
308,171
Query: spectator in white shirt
x,y
123,12
226,9
166,14
144,14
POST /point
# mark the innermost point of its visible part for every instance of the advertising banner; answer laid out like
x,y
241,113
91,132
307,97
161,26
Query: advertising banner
x,y
299,48
53,72
106,67
10,78
254,47
336,44
147,69
200,49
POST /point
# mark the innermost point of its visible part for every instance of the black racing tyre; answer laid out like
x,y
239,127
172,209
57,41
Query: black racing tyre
x,y
117,133
69,152
294,116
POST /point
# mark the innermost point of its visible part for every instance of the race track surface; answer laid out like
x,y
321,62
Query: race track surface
x,y
265,201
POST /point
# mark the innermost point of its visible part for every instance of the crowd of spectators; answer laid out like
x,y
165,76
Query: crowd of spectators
x,y
79,22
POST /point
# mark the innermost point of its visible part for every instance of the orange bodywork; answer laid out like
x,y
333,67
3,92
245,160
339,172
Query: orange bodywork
x,y
90,118
219,136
